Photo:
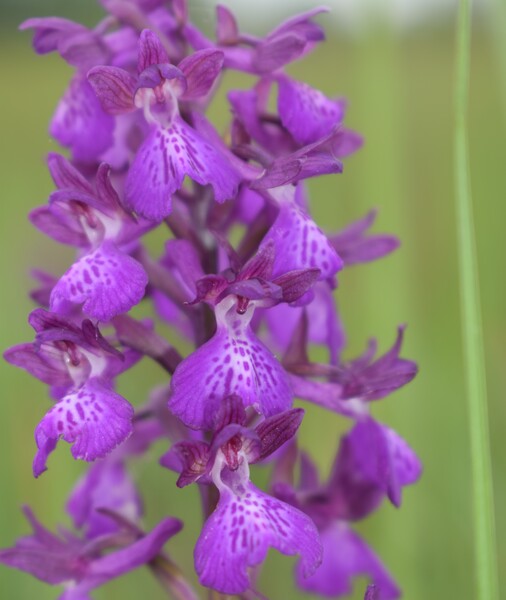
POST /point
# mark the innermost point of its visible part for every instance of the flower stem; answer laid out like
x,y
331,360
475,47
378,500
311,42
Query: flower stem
x,y
474,360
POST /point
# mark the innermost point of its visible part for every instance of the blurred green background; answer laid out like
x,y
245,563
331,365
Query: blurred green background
x,y
399,82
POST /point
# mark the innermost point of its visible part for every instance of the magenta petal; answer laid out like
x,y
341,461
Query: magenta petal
x,y
274,431
50,31
107,281
106,484
299,243
93,418
162,162
42,554
377,456
114,87
278,51
354,245
227,31
406,464
240,532
62,225
201,70
345,556
44,363
80,123
65,175
307,113
151,51
234,361
126,559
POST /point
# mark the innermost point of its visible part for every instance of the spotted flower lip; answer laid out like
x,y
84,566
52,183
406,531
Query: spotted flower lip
x,y
233,361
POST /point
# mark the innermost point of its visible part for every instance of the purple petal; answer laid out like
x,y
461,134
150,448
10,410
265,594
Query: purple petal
x,y
406,464
299,243
326,394
151,51
354,247
93,418
309,478
182,256
45,363
345,556
114,87
233,361
50,31
275,431
80,123
106,484
84,50
231,412
379,378
162,162
373,461
303,25
107,281
323,324
295,284
43,555
201,70
307,113
193,457
65,175
227,31
240,532
62,225
278,51
248,106
131,557
261,264
45,283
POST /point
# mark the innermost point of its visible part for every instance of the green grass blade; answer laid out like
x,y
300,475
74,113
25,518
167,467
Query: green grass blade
x,y
474,361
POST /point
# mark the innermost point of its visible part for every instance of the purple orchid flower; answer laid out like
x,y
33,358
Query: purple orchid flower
x,y
182,262
81,565
246,521
80,366
234,361
372,462
354,247
105,279
173,149
299,243
292,40
351,386
305,112
79,122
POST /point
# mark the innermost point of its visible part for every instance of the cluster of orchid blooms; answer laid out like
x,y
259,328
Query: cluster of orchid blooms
x,y
142,155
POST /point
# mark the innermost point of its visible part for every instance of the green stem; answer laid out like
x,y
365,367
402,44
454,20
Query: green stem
x,y
474,360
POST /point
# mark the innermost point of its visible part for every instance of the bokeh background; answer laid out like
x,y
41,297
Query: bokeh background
x,y
394,62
